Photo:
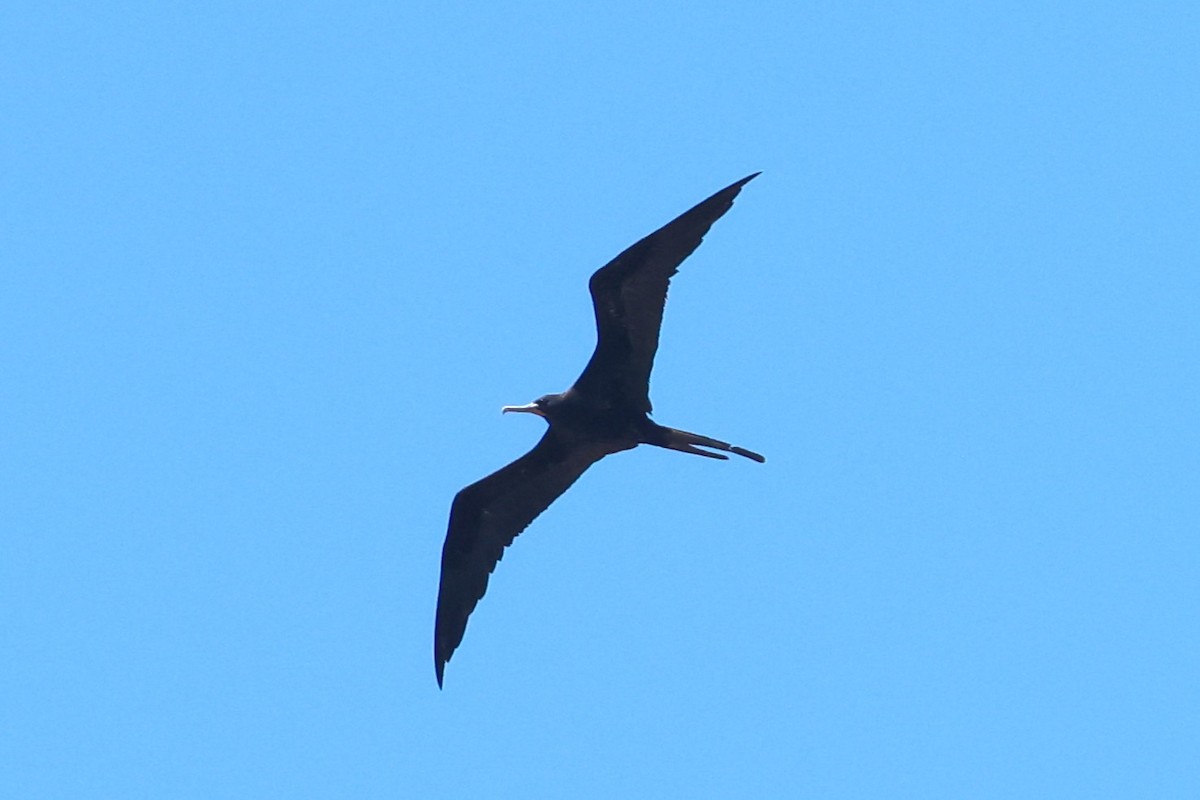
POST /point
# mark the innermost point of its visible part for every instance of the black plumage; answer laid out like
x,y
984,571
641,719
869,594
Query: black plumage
x,y
605,411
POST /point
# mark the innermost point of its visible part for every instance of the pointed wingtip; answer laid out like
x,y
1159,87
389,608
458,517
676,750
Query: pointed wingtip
x,y
439,667
736,186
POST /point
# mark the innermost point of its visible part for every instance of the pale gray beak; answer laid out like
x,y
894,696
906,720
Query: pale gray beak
x,y
531,408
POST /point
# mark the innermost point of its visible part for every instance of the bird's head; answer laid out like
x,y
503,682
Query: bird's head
x,y
540,406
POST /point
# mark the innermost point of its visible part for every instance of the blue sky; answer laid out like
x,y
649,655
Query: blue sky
x,y
268,273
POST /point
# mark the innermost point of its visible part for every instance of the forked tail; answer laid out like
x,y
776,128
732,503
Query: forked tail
x,y
686,442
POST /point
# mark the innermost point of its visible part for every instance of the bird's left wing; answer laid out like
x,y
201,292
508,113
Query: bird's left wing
x,y
485,518
628,295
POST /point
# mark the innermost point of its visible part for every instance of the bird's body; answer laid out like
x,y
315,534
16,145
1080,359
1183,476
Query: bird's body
x,y
604,412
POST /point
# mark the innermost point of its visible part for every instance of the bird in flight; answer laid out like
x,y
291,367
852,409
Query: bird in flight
x,y
604,412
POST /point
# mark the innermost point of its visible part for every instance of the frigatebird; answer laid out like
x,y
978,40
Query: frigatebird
x,y
605,411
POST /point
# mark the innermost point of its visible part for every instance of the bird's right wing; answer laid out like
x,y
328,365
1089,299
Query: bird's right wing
x,y
485,518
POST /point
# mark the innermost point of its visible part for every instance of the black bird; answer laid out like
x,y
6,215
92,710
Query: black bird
x,y
605,411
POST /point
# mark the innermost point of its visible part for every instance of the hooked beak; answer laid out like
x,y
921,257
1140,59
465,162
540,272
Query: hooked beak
x,y
531,408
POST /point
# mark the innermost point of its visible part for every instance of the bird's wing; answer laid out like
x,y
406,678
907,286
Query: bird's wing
x,y
485,518
629,293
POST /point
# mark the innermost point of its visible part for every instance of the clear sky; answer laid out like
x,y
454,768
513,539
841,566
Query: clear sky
x,y
268,272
